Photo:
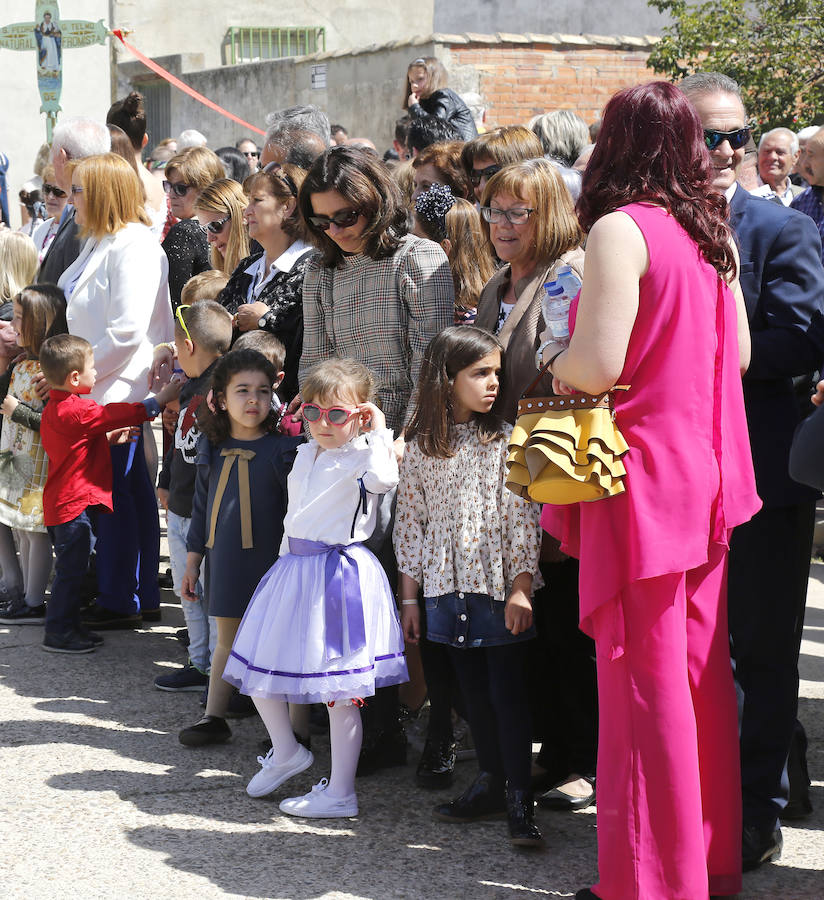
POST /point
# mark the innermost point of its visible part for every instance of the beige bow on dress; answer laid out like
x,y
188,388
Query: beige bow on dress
x,y
242,456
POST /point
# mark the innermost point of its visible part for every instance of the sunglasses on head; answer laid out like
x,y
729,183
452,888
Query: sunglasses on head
x,y
53,189
179,189
217,226
738,138
476,175
335,415
342,219
275,168
181,320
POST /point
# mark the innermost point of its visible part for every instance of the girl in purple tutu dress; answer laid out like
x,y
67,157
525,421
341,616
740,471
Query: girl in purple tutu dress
x,y
322,624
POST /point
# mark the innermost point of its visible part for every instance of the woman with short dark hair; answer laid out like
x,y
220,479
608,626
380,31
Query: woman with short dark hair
x,y
185,176
376,293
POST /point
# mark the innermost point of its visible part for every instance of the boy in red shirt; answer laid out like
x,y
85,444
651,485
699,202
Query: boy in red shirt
x,y
73,430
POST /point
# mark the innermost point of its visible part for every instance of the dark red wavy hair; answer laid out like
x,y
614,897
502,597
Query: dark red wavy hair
x,y
651,149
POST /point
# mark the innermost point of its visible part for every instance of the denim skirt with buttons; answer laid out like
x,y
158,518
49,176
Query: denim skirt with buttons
x,y
461,619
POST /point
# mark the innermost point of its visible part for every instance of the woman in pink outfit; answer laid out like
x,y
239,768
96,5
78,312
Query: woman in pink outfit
x,y
660,310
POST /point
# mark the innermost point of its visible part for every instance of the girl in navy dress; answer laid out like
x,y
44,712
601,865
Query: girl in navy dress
x,y
237,512
322,625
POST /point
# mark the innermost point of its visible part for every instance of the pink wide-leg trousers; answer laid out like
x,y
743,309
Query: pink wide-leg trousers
x,y
668,780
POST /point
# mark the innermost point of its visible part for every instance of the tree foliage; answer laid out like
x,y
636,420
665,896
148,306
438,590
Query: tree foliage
x,y
773,48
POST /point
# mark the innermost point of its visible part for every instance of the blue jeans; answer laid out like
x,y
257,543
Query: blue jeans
x,y
128,541
463,620
202,629
72,546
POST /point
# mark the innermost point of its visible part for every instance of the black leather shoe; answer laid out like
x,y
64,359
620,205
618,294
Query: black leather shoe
x,y
586,894
483,799
520,814
209,730
437,766
100,618
382,750
562,802
760,845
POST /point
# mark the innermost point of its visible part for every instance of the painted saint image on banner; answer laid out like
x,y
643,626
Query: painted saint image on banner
x,y
49,45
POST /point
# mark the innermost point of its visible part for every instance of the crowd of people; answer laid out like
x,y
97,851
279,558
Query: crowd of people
x,y
337,343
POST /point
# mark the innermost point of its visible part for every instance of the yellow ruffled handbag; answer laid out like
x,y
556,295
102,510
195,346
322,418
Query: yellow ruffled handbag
x,y
566,449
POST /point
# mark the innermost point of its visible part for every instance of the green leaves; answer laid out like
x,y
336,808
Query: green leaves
x,y
773,48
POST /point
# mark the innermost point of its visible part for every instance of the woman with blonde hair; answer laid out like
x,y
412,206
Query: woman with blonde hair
x,y
18,263
455,224
219,210
118,300
493,150
187,249
425,93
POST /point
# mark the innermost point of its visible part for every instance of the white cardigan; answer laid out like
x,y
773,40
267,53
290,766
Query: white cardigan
x,y
120,305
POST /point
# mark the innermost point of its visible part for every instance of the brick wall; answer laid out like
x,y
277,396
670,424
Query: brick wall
x,y
519,81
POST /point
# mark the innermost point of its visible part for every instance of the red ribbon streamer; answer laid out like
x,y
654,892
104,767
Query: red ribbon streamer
x,y
159,70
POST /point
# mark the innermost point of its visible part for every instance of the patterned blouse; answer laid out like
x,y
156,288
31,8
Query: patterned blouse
x,y
457,527
188,252
283,295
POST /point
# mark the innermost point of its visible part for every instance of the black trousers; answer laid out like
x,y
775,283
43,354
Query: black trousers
x,y
562,680
493,684
768,570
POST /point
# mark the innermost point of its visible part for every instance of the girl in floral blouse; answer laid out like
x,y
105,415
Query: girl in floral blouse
x,y
473,546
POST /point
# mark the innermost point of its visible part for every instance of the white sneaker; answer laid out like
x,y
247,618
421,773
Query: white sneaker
x,y
317,804
272,774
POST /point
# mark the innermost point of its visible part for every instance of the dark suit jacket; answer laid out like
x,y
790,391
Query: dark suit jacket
x,y
783,284
64,250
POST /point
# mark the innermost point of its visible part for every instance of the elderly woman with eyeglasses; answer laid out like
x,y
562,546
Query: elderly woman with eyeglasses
x,y
265,289
528,216
187,249
55,199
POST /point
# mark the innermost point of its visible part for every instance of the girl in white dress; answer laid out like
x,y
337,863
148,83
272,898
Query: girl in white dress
x,y
322,624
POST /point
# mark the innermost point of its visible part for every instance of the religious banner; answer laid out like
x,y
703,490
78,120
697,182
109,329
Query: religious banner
x,y
48,36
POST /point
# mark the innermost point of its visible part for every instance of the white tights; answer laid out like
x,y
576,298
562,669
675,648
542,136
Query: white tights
x,y
31,571
345,734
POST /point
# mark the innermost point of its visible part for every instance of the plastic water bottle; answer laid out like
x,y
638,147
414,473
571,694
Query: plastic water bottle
x,y
559,295
556,312
570,282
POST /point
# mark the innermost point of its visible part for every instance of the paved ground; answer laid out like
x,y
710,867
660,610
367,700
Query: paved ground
x,y
98,799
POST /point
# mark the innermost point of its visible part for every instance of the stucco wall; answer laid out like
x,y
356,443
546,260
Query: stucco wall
x,y
86,89
161,28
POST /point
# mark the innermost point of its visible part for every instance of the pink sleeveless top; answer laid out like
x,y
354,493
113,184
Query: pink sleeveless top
x,y
689,468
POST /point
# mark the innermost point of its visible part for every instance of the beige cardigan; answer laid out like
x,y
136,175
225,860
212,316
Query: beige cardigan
x,y
521,333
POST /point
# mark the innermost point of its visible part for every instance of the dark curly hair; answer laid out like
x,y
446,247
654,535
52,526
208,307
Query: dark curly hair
x,y
214,423
365,182
651,149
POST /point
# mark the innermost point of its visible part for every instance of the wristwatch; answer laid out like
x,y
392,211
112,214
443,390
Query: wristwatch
x,y
267,320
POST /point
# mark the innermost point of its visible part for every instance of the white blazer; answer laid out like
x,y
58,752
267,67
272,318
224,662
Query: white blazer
x,y
120,305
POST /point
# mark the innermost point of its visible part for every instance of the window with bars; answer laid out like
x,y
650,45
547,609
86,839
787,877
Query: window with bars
x,y
247,45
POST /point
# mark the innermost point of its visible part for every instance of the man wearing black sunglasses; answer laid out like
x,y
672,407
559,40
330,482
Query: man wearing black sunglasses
x,y
782,280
